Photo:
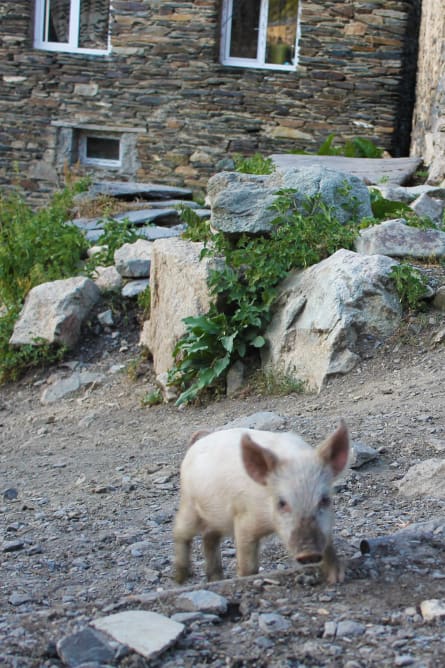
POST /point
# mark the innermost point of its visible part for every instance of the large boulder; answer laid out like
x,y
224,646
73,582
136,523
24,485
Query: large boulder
x,y
397,239
345,194
179,289
426,478
241,203
327,315
54,312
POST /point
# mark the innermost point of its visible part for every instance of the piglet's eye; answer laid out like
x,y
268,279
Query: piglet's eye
x,y
283,505
325,502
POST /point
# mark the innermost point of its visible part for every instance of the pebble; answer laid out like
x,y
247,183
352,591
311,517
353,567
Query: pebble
x,y
204,601
17,599
85,646
10,494
13,546
404,660
432,609
271,622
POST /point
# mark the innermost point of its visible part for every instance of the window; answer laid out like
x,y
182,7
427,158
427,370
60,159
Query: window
x,y
260,33
98,149
72,25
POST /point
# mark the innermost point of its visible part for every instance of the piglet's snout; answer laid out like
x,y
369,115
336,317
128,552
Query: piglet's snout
x,y
308,542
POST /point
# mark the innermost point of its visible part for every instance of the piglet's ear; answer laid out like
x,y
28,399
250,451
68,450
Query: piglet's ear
x,y
259,462
334,452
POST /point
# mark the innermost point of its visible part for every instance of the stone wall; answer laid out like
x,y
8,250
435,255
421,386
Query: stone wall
x,y
429,115
180,111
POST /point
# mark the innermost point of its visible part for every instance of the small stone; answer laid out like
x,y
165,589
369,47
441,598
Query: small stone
x,y
349,628
83,647
10,494
116,368
432,609
140,548
204,601
106,318
264,643
404,660
362,454
410,611
266,420
17,599
330,630
271,622
134,288
12,546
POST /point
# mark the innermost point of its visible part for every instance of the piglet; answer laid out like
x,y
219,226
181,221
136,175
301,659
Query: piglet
x,y
248,483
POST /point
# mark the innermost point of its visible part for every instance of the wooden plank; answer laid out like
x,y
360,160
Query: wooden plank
x,y
394,171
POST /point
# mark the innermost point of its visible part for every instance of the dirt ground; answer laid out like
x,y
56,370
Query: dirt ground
x,y
89,489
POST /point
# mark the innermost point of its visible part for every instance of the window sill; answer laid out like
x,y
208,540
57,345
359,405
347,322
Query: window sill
x,y
65,48
248,64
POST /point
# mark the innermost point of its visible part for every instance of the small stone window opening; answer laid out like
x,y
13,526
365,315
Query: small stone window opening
x,y
73,25
99,150
260,33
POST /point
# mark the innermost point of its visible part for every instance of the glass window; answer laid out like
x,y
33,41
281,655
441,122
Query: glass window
x,y
72,25
260,33
99,149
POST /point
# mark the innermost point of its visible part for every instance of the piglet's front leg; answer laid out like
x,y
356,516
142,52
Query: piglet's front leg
x,y
332,566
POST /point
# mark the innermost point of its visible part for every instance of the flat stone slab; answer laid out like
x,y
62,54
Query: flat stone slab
x,y
131,190
168,216
147,633
370,170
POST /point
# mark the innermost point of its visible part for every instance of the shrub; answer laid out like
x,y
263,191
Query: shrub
x,y
244,290
255,164
35,247
410,284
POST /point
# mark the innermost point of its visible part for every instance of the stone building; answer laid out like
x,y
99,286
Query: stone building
x,y
164,90
428,137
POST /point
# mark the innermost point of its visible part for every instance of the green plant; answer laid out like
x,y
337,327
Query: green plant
x,y
35,247
15,361
383,208
244,289
152,398
255,164
410,285
357,147
269,383
198,229
144,302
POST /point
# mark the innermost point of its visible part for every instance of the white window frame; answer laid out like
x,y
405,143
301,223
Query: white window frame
x,y
71,46
98,162
259,61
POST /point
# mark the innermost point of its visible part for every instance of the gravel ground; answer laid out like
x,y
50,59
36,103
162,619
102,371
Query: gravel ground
x,y
90,486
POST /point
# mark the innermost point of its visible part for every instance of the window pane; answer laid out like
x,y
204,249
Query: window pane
x,y
93,24
245,23
102,148
281,31
57,16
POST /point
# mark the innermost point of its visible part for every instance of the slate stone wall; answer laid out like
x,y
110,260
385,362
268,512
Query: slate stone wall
x,y
184,111
429,114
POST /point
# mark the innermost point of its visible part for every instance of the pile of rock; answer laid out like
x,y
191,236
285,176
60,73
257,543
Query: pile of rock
x,y
325,317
